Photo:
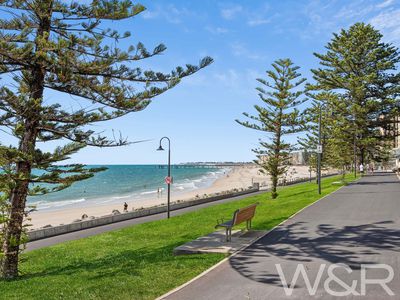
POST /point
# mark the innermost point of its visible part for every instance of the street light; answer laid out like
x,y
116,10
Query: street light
x,y
168,179
355,146
319,149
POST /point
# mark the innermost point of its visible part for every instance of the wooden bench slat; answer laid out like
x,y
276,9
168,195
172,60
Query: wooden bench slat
x,y
245,214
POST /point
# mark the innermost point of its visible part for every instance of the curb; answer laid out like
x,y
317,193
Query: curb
x,y
244,247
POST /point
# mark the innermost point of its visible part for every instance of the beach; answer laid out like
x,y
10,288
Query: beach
x,y
238,177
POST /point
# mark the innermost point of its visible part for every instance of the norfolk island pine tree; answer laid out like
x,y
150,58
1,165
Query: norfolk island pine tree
x,y
61,46
360,70
279,116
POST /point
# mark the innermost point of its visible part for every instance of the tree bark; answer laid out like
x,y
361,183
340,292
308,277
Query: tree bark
x,y
274,194
13,230
14,226
274,176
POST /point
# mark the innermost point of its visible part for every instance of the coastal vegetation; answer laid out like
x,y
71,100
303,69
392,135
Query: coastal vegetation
x,y
137,262
65,48
354,98
279,116
356,92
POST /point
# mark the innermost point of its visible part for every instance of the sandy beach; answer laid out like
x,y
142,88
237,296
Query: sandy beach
x,y
239,177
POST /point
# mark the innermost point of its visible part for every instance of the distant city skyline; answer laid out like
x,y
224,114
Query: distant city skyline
x,y
244,38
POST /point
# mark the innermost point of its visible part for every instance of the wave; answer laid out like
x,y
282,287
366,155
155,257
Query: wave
x,y
186,185
140,187
204,180
149,192
121,197
54,204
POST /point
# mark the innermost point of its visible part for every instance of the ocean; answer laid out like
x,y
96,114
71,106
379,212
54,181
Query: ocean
x,y
127,182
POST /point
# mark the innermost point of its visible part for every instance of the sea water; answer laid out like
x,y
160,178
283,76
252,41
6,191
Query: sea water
x,y
128,182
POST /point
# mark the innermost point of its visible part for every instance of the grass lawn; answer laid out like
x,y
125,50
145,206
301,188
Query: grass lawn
x,y
137,262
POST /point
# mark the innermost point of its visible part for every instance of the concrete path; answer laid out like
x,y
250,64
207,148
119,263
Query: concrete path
x,y
115,226
215,242
359,226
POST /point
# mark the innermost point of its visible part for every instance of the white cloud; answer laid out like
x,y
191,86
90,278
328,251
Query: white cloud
x,y
217,30
253,17
256,22
230,13
323,17
240,50
258,16
170,13
241,80
388,22
385,4
229,77
355,10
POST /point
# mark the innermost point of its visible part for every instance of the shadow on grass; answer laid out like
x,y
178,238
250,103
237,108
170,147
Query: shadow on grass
x,y
351,245
124,262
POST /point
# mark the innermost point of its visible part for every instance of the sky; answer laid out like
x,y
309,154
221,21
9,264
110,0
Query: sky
x,y
243,38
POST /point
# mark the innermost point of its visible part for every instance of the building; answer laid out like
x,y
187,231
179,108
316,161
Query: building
x,y
296,158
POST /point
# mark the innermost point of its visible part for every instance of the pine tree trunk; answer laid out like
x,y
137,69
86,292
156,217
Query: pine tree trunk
x,y
12,238
274,180
14,227
13,230
278,135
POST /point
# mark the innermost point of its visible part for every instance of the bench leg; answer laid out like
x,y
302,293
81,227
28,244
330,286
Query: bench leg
x,y
248,224
228,234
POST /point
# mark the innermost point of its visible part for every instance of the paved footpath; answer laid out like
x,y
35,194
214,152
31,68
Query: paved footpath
x,y
359,225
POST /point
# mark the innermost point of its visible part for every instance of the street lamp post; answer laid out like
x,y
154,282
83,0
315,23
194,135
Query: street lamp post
x,y
355,156
355,146
168,179
319,150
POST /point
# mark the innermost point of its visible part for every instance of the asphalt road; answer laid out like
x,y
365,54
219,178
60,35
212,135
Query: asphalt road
x,y
359,226
114,226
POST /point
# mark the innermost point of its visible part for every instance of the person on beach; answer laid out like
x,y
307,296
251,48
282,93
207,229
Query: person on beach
x,y
125,207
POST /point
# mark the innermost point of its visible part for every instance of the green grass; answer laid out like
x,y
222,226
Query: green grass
x,y
137,262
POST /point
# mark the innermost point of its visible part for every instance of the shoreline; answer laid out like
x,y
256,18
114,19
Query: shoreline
x,y
239,177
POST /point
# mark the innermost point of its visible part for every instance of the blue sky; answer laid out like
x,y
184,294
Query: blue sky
x,y
244,38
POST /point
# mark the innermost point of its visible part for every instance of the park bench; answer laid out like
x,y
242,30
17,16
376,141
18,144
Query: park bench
x,y
239,216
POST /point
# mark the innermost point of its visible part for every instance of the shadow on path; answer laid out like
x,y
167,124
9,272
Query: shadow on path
x,y
351,245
